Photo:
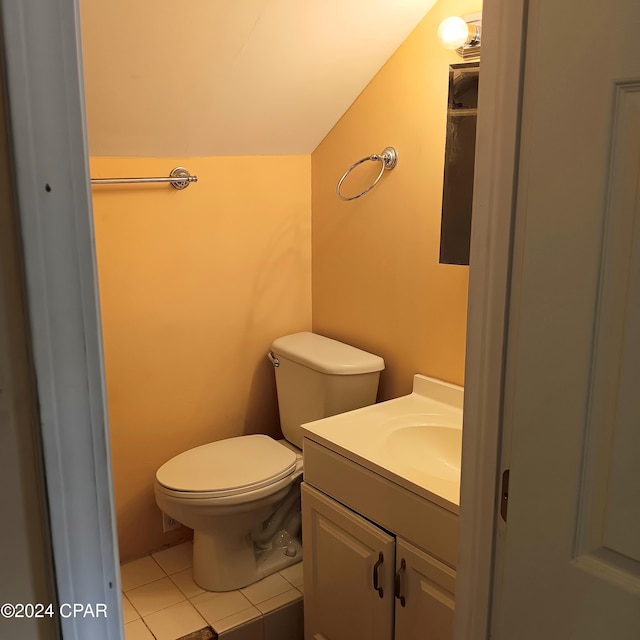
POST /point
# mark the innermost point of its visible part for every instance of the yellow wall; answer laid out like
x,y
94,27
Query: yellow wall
x,y
377,283
194,286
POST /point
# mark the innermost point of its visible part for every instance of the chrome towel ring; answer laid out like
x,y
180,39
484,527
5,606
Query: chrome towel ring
x,y
388,158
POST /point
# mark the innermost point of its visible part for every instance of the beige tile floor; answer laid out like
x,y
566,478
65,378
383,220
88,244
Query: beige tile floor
x,y
161,601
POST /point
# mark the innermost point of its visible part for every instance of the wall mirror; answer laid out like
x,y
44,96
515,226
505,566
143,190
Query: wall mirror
x,y
457,195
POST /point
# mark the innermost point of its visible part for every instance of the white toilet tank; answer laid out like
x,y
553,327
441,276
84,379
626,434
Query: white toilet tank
x,y
317,377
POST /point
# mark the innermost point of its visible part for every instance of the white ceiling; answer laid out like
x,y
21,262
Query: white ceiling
x,y
231,77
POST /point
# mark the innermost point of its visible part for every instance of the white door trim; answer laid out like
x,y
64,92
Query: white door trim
x,y
489,281
47,131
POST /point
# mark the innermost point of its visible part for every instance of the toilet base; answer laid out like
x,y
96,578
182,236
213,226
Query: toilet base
x,y
213,572
278,558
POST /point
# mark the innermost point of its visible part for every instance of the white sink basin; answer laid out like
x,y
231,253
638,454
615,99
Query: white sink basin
x,y
429,447
414,440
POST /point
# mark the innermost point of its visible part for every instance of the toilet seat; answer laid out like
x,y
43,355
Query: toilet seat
x,y
228,468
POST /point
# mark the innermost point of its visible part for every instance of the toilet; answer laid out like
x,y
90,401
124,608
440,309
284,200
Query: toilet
x,y
241,496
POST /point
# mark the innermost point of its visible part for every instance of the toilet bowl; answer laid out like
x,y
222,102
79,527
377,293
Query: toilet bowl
x,y
241,495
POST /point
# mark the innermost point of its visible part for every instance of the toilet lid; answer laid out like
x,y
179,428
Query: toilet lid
x,y
228,467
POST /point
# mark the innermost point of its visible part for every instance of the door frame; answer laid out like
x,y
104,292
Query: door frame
x,y
47,124
46,131
490,281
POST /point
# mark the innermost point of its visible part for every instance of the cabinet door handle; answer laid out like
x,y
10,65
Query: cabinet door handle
x,y
398,583
375,574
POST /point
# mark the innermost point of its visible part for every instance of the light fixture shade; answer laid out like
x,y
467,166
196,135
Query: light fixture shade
x,y
453,32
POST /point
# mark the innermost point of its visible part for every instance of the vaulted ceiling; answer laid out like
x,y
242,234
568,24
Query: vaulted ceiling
x,y
231,77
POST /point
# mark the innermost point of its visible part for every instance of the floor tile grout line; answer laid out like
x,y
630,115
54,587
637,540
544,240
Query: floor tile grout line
x,y
177,586
153,635
168,549
161,568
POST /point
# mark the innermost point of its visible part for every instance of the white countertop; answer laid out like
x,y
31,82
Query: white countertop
x,y
414,441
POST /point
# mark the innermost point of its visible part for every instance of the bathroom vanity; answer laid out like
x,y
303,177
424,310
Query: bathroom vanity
x,y
380,524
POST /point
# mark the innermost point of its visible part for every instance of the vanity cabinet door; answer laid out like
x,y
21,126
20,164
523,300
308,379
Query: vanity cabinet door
x,y
342,554
427,589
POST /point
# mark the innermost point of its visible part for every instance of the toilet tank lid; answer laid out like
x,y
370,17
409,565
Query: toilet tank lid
x,y
326,355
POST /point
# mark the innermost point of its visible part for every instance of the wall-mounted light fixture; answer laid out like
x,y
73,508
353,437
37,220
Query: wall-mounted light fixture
x,y
462,35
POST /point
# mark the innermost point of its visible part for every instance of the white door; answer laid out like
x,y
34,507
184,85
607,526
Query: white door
x,y
425,600
348,573
571,546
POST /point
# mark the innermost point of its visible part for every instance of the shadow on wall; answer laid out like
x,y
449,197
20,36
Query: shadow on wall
x,y
275,296
262,403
